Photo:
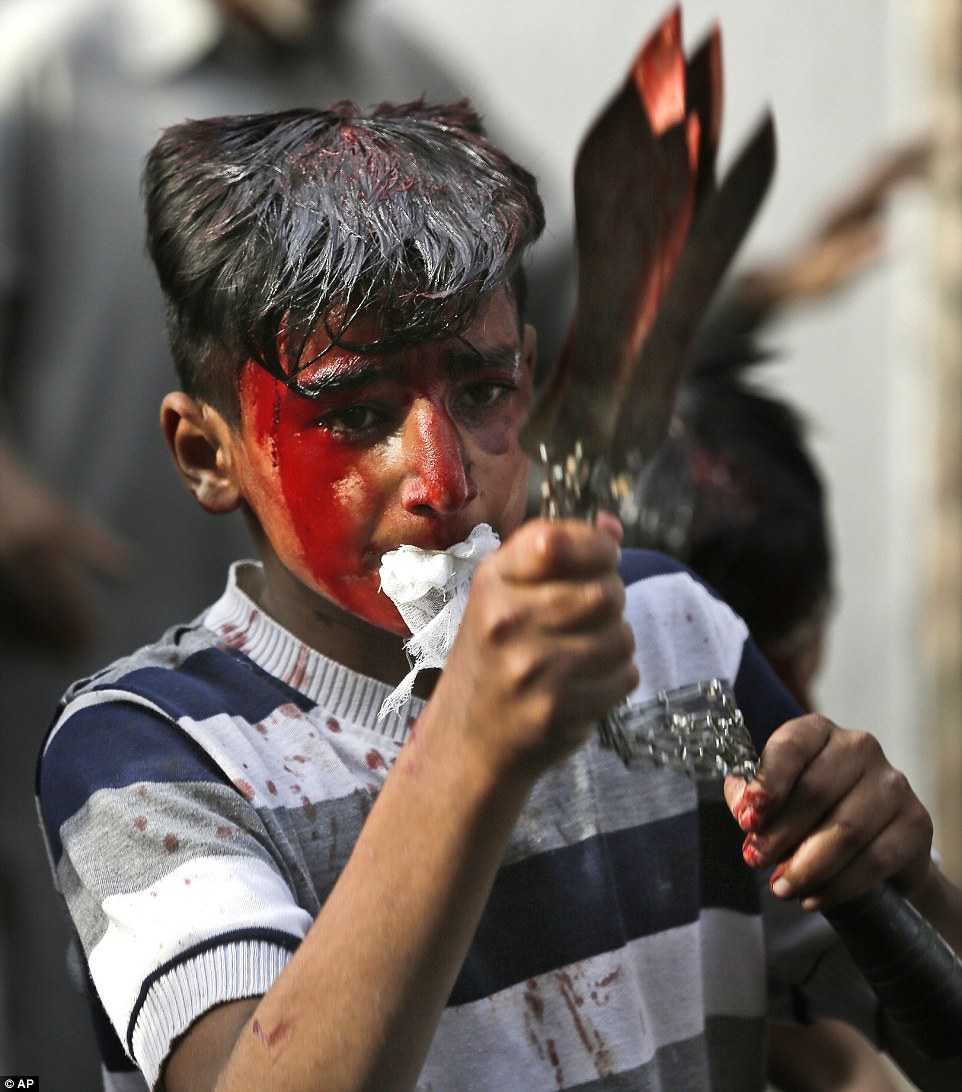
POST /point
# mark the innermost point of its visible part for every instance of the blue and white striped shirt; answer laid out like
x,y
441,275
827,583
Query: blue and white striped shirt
x,y
201,798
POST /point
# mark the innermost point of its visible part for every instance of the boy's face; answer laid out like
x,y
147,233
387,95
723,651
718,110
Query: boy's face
x,y
415,447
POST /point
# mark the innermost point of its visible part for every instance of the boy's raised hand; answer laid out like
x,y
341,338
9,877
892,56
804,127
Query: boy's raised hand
x,y
543,650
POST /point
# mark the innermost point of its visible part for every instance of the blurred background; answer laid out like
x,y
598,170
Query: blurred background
x,y
876,367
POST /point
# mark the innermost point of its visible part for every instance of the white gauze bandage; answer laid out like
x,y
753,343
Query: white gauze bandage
x,y
430,589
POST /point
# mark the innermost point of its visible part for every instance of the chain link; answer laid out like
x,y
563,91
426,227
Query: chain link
x,y
696,729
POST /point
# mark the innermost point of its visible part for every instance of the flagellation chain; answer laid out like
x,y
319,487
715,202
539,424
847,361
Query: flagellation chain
x,y
697,729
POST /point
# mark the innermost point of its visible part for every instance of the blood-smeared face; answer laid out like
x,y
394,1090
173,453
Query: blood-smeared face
x,y
415,447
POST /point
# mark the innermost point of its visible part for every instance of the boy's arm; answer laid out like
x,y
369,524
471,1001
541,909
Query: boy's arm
x,y
543,652
836,819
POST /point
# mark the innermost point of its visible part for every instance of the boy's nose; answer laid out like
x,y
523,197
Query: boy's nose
x,y
438,475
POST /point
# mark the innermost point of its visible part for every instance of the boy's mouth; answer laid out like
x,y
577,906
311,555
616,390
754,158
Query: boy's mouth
x,y
430,590
436,540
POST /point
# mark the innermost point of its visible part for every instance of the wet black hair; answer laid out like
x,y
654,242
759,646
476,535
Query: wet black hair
x,y
266,228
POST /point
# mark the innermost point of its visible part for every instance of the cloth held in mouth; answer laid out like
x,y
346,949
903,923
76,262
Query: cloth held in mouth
x,y
430,589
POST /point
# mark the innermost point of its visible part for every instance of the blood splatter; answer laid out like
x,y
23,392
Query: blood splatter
x,y
752,854
556,1062
375,760
269,1039
751,807
298,673
244,787
171,843
589,1035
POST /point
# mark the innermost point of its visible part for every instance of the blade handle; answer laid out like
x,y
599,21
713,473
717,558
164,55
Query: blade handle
x,y
912,970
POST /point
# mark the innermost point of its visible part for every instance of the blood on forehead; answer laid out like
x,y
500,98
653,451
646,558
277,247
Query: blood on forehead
x,y
405,321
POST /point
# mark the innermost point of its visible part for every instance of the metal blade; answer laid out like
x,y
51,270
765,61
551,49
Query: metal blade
x,y
703,79
634,201
720,226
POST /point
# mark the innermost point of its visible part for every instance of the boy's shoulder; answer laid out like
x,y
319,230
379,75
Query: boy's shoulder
x,y
191,673
167,654
651,573
636,565
686,633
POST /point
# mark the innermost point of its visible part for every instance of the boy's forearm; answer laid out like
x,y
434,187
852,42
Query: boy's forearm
x,y
542,652
358,1005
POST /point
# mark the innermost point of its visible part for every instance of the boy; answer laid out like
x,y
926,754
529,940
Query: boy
x,y
273,888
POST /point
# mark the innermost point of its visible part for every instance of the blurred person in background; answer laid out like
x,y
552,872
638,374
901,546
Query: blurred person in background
x,y
736,494
99,545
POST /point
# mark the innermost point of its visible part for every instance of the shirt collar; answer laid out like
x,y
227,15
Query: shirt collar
x,y
238,621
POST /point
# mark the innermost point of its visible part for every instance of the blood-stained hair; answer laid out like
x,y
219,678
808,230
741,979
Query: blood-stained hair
x,y
266,228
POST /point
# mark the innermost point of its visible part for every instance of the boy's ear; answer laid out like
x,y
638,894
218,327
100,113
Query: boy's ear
x,y
200,441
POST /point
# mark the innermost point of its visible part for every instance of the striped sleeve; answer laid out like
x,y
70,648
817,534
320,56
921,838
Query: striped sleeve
x,y
177,895
685,633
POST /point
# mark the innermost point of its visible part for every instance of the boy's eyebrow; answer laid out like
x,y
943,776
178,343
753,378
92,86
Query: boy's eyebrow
x,y
361,371
471,358
348,375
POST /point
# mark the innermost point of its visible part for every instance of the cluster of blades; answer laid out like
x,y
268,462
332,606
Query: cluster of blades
x,y
656,231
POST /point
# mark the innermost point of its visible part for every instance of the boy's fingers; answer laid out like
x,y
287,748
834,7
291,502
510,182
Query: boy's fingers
x,y
793,790
788,755
813,844
832,865
584,604
831,813
544,549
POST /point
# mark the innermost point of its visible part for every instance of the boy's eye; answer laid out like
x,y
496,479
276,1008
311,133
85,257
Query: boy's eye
x,y
485,393
353,419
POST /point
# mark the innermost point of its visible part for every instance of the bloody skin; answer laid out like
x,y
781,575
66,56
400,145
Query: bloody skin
x,y
415,447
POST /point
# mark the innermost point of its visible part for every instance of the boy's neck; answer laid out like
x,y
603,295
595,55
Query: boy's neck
x,y
334,632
